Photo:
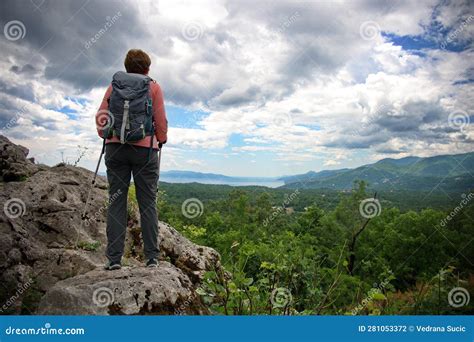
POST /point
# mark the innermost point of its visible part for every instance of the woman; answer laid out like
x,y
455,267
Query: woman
x,y
136,127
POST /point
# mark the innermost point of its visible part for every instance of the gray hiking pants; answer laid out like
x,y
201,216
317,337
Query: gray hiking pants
x,y
122,161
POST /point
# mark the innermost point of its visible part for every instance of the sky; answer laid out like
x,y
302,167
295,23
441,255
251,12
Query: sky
x,y
252,88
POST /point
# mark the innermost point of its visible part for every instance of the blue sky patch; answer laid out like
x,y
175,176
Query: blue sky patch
x,y
183,118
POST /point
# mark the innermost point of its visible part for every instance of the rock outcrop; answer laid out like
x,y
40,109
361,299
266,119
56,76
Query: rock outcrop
x,y
132,290
51,258
14,164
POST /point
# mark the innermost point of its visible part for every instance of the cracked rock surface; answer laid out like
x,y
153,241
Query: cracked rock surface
x,y
50,263
163,290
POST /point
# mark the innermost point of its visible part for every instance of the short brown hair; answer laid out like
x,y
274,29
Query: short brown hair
x,y
137,61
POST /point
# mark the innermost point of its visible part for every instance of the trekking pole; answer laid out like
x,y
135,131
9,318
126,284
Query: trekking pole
x,y
159,162
93,183
158,182
98,163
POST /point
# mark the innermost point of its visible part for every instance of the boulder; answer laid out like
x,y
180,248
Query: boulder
x,y
14,165
164,290
193,259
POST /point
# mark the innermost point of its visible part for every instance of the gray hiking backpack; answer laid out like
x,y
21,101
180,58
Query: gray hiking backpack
x,y
130,107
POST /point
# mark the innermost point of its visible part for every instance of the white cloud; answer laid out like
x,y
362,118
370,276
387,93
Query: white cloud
x,y
195,162
294,79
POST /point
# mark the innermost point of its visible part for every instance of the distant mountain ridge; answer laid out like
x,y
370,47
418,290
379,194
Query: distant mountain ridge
x,y
176,176
444,172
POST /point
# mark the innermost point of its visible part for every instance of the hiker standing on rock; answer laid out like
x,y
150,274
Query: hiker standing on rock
x,y
133,121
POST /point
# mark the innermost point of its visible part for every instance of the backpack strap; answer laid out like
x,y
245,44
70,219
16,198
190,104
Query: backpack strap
x,y
149,103
108,132
125,123
149,111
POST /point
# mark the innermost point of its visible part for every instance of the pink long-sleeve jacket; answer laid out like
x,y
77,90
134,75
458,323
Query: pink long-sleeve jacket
x,y
159,115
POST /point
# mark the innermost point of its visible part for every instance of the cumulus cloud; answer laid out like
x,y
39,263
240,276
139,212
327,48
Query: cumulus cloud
x,y
299,81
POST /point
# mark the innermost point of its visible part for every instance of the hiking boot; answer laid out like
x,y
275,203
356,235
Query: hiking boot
x,y
152,263
110,266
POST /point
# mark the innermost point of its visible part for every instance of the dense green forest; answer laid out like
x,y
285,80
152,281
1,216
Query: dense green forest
x,y
328,199
298,252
